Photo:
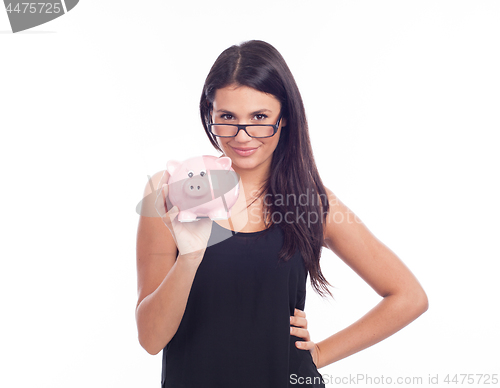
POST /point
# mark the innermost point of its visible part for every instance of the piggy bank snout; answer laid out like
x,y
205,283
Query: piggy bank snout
x,y
196,187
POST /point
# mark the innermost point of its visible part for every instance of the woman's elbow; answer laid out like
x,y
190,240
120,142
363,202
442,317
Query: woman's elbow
x,y
148,347
424,301
418,302
146,339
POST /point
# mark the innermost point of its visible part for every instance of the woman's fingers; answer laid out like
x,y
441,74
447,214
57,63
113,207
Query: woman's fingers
x,y
189,236
164,178
299,319
169,218
299,332
299,329
160,203
163,203
306,345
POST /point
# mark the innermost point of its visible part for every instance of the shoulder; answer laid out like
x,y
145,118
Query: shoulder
x,y
327,227
349,238
340,223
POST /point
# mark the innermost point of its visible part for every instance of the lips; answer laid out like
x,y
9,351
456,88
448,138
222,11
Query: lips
x,y
244,151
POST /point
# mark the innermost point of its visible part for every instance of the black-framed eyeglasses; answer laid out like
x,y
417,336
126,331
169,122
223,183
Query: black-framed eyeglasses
x,y
252,130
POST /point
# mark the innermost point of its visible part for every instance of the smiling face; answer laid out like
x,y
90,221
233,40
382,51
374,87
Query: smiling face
x,y
243,105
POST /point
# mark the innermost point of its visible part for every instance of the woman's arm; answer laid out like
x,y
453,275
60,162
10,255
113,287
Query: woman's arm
x,y
404,298
164,279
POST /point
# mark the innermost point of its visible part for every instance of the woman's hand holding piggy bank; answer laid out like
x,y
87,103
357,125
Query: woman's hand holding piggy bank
x,y
203,186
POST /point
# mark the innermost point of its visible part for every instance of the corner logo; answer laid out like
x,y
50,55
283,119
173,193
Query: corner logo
x,y
24,15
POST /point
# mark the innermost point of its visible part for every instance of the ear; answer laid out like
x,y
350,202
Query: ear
x,y
224,162
172,165
283,122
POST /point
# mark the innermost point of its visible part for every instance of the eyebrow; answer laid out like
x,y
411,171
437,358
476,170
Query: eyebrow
x,y
252,114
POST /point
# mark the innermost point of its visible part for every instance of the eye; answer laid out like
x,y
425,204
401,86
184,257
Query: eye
x,y
202,172
226,116
260,116
190,174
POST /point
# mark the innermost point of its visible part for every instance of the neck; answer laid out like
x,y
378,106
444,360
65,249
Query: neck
x,y
252,179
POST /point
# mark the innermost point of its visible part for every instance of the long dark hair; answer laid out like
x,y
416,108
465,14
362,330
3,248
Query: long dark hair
x,y
260,66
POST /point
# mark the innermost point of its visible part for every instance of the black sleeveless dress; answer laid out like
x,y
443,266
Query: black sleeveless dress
x,y
235,331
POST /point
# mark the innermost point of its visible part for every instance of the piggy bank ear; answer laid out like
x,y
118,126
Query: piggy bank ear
x,y
172,165
224,162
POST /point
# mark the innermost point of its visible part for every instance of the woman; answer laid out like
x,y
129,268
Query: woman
x,y
227,309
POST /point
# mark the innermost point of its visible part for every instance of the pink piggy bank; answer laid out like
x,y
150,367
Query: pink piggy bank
x,y
203,186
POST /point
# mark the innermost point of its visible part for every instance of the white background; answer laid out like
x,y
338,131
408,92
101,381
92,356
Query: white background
x,y
403,103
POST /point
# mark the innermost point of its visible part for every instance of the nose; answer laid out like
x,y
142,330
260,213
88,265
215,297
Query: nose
x,y
196,184
196,187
